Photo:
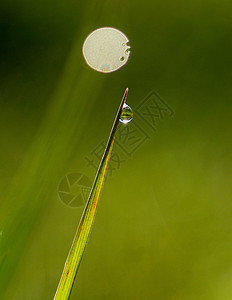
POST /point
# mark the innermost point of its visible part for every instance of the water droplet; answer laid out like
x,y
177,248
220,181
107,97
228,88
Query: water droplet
x,y
126,115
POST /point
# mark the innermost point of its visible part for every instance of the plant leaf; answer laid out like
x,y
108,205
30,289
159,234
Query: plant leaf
x,y
83,231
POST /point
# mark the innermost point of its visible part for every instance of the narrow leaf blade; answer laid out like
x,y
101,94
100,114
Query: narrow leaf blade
x,y
83,231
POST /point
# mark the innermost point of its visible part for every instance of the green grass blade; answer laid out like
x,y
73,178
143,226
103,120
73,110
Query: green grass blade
x,y
83,231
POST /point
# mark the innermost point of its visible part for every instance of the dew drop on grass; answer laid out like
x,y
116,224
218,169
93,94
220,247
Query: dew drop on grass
x,y
126,115
106,49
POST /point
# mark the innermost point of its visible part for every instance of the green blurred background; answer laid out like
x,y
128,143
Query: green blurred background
x,y
164,223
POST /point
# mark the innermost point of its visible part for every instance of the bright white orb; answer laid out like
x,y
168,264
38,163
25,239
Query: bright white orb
x,y
106,49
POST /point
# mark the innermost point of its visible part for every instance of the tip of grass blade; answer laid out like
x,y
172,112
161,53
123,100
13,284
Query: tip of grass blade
x,y
125,94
